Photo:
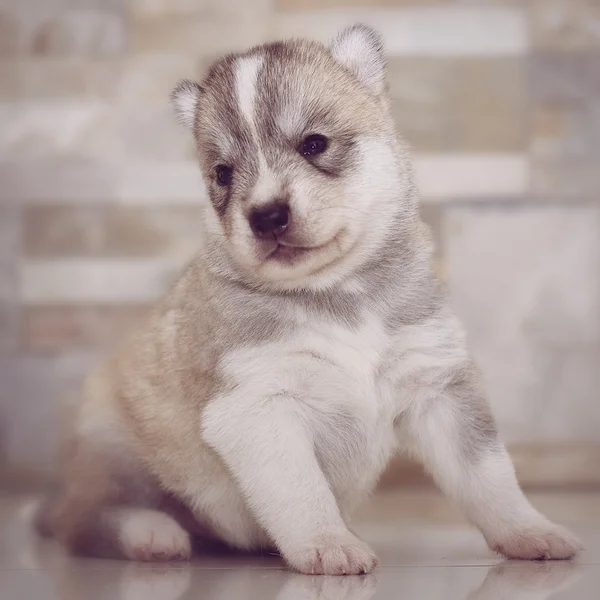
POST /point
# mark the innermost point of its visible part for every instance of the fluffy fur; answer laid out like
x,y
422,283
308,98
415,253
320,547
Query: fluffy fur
x,y
269,389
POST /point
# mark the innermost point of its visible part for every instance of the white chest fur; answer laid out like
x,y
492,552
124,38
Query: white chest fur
x,y
328,373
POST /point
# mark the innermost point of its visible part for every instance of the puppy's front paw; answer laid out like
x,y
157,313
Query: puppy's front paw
x,y
149,535
539,543
335,555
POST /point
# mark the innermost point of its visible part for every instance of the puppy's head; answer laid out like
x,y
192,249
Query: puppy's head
x,y
299,156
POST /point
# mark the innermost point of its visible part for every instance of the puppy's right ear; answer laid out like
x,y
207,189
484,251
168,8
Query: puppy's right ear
x,y
184,99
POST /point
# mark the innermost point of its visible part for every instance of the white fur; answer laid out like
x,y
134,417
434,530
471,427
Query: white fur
x,y
285,401
357,49
246,76
147,534
216,499
185,100
291,120
266,189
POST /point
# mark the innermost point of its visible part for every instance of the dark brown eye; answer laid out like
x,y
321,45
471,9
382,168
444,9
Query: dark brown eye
x,y
224,175
313,144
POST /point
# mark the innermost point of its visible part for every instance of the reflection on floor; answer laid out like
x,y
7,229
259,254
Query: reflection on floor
x,y
425,549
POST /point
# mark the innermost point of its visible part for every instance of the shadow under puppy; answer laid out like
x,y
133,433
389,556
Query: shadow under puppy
x,y
305,344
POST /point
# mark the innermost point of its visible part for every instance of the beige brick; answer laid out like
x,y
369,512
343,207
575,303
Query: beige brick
x,y
147,80
52,78
55,28
69,130
549,130
148,133
460,104
566,179
480,177
52,180
488,105
194,8
132,82
419,89
54,329
198,36
110,231
162,8
38,388
565,135
524,280
9,33
160,182
81,32
10,234
437,30
62,231
9,328
432,215
93,129
565,24
562,78
98,281
152,231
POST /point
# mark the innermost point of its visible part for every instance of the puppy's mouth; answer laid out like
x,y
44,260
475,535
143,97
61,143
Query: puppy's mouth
x,y
288,252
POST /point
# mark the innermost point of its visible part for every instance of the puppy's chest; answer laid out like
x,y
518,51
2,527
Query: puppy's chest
x,y
331,374
350,406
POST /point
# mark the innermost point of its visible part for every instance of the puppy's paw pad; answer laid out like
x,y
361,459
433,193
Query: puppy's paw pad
x,y
335,556
549,543
153,536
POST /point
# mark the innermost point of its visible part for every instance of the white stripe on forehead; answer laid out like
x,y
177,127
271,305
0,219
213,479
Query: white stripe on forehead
x,y
246,76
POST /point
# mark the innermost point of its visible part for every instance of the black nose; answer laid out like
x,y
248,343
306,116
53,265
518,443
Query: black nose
x,y
270,220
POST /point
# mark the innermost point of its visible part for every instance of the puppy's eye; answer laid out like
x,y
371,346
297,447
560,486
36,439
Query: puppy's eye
x,y
313,144
224,175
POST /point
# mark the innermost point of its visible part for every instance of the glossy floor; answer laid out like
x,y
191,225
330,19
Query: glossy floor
x,y
425,549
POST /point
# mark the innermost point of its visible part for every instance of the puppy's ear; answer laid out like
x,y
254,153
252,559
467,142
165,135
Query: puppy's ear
x,y
184,99
359,48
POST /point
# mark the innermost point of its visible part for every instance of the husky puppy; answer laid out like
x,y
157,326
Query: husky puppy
x,y
306,343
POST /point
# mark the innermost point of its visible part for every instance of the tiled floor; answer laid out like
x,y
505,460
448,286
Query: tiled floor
x,y
425,549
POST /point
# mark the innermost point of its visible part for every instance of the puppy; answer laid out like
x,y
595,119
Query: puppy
x,y
306,344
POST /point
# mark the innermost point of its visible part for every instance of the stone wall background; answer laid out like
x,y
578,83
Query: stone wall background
x,y
99,191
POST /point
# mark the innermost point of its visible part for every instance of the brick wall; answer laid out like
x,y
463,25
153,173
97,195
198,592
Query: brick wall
x,y
99,190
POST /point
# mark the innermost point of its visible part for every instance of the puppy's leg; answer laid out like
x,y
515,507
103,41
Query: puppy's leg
x,y
455,437
148,535
108,506
268,448
129,532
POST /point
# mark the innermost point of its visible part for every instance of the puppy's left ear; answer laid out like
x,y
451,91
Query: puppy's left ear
x,y
360,49
184,99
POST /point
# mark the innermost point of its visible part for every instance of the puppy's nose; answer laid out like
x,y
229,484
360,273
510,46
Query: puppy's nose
x,y
272,219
